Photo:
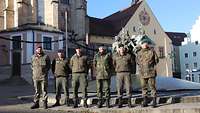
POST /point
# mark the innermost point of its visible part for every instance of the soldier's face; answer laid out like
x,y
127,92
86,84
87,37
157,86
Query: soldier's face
x,y
78,51
145,45
39,50
60,55
121,50
101,49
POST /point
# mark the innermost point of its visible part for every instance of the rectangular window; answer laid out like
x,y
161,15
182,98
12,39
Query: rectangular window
x,y
186,55
196,42
194,54
195,65
16,42
187,66
47,43
64,1
161,52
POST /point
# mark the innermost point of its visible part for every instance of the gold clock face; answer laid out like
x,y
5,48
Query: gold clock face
x,y
144,17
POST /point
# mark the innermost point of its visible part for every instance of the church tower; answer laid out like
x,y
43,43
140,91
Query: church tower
x,y
24,12
78,17
2,5
9,14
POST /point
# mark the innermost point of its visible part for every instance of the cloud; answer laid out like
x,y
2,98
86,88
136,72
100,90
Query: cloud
x,y
195,31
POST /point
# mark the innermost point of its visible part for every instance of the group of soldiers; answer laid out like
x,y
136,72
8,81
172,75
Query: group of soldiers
x,y
122,62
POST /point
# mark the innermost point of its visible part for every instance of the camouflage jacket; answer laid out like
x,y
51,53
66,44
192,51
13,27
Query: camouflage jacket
x,y
124,63
40,67
103,65
60,67
147,60
79,64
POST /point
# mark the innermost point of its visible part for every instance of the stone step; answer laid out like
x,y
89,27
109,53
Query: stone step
x,y
93,99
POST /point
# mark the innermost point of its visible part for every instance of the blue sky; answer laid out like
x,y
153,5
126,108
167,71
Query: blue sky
x,y
173,15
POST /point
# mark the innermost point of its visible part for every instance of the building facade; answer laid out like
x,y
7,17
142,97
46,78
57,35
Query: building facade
x,y
39,21
190,60
102,31
177,38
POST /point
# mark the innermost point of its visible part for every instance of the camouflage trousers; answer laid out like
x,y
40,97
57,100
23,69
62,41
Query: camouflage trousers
x,y
62,83
103,86
79,79
151,82
40,90
124,78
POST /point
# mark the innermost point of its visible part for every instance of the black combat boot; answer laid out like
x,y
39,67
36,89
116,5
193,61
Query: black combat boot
x,y
75,103
108,103
144,104
35,105
85,103
129,102
99,104
45,106
57,103
120,102
154,104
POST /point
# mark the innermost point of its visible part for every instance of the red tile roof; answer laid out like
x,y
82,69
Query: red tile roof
x,y
112,25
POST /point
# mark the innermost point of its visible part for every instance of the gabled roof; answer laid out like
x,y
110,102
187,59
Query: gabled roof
x,y
100,27
33,26
112,25
176,37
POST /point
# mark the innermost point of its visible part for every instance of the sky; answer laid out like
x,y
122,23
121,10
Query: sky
x,y
173,15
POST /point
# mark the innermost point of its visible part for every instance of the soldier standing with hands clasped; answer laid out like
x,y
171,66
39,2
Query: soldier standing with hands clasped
x,y
124,64
147,60
102,64
60,69
40,64
79,64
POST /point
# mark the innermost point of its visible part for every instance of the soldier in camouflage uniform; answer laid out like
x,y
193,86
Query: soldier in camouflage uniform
x,y
102,64
60,69
124,64
147,60
40,66
79,64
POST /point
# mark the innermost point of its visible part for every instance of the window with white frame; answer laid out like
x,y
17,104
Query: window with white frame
x,y
47,43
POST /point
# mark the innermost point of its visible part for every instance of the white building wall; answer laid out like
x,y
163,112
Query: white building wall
x,y
189,48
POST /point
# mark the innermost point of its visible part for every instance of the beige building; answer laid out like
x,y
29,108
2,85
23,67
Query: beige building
x,y
32,21
139,13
